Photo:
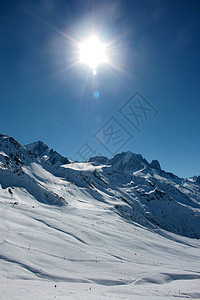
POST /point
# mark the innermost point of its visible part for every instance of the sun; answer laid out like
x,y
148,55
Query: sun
x,y
93,53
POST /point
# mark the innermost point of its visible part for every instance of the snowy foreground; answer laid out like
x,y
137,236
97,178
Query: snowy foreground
x,y
88,252
81,246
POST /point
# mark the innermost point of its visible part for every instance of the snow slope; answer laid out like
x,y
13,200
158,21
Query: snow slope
x,y
94,231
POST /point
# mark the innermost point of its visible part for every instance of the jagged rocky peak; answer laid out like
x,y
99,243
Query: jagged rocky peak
x,y
12,153
9,142
39,148
10,146
155,164
44,152
126,161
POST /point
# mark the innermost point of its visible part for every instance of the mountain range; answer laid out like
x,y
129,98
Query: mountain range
x,y
88,222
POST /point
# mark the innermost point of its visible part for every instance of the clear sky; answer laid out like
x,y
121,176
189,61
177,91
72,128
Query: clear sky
x,y
154,47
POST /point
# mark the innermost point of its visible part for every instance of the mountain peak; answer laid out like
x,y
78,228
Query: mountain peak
x,y
47,154
39,148
126,161
10,144
155,164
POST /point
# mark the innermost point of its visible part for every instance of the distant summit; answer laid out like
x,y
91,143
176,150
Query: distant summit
x,y
44,152
155,164
39,148
127,161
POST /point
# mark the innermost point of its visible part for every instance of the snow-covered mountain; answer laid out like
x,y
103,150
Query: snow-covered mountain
x,y
43,151
126,162
104,228
195,179
139,191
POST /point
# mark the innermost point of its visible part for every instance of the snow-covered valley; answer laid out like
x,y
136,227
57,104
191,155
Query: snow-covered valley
x,y
118,228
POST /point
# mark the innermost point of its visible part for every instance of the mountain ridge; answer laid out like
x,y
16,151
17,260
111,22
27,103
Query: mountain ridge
x,y
127,161
95,230
144,193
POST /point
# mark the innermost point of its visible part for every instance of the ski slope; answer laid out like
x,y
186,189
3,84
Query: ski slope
x,y
85,231
89,252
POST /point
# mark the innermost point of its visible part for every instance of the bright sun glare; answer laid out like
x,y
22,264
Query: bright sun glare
x,y
93,53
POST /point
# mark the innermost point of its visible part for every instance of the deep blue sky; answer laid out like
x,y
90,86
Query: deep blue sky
x,y
156,44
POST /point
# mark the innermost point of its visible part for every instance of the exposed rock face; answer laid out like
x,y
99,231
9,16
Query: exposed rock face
x,y
43,151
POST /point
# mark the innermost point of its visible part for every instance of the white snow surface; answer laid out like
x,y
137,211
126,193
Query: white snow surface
x,y
90,232
83,166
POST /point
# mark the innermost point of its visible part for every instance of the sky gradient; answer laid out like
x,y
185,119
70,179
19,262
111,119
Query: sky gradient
x,y
154,47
